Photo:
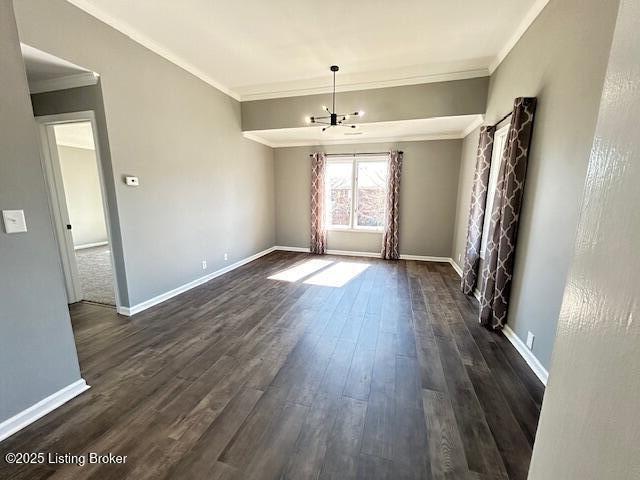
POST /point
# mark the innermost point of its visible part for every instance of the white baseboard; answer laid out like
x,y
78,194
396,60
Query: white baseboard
x,y
349,253
518,344
291,249
89,245
352,253
40,409
128,311
527,354
456,267
425,258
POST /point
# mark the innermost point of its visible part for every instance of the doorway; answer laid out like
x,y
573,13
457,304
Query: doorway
x,y
79,209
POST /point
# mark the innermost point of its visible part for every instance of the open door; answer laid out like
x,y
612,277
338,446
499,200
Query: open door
x,y
73,172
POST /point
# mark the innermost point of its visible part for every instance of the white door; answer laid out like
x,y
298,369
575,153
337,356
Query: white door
x,y
60,214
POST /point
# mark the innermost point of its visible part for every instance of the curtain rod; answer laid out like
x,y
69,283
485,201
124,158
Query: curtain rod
x,y
359,154
503,119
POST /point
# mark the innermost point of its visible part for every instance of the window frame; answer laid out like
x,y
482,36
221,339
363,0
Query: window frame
x,y
355,161
498,149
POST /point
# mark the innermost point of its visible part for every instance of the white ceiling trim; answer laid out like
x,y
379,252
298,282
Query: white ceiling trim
x,y
414,138
473,125
145,41
62,83
529,18
142,39
300,87
421,129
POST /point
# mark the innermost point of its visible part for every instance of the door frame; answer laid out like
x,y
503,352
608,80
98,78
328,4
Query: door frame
x,y
58,203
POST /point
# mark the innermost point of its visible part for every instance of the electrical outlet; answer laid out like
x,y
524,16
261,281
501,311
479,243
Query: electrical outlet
x,y
530,338
204,264
226,257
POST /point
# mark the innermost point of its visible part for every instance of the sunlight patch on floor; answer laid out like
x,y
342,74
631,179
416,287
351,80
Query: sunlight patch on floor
x,y
298,272
338,275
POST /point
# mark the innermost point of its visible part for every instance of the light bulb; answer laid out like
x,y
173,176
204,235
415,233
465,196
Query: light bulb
x,y
361,113
307,119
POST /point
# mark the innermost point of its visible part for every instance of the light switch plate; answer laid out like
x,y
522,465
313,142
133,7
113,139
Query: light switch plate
x,y
14,221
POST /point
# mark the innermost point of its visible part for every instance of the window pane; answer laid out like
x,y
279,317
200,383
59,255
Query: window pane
x,y
372,184
496,159
338,191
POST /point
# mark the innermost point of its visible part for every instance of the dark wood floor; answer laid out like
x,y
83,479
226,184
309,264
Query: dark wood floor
x,y
245,377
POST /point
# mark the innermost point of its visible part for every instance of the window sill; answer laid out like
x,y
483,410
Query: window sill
x,y
355,230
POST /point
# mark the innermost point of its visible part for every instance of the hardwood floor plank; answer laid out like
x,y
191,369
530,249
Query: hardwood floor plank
x,y
480,448
446,453
358,383
201,460
244,443
277,444
378,438
312,443
341,458
374,468
511,441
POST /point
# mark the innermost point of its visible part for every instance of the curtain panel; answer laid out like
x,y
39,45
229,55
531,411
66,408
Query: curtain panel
x,y
391,236
318,242
477,210
497,272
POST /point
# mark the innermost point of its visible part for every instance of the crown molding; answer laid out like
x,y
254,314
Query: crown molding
x,y
146,42
524,25
414,138
62,83
301,87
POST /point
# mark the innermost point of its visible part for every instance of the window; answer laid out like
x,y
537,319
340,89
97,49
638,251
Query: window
x,y
356,192
499,141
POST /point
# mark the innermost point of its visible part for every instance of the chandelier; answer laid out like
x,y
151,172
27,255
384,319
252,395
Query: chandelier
x,y
333,119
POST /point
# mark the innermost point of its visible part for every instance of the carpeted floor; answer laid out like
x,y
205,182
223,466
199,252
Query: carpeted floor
x,y
96,274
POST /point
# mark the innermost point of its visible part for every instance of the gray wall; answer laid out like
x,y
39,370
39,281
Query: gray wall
x,y
428,192
459,97
204,189
82,99
37,353
79,169
589,426
561,60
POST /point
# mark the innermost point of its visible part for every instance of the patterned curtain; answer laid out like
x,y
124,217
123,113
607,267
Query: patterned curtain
x,y
318,231
497,272
391,237
476,212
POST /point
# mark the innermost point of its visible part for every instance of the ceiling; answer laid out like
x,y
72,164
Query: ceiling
x,y
255,49
404,130
46,72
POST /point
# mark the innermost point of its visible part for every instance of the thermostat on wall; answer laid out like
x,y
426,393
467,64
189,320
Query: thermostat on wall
x,y
132,181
